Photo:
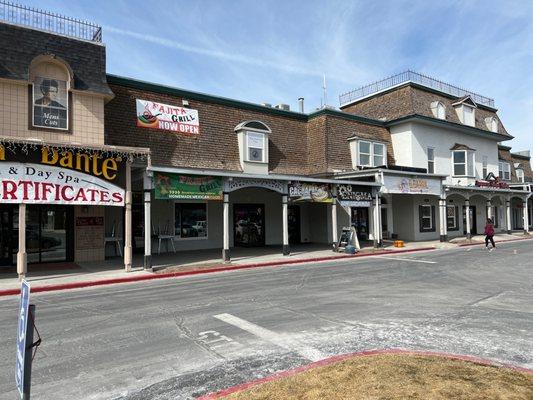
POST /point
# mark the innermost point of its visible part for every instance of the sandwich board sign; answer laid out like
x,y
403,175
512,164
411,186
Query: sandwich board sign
x,y
21,336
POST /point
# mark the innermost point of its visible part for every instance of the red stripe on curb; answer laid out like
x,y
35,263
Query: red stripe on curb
x,y
501,241
342,357
83,284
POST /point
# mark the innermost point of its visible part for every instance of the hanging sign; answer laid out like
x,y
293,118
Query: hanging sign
x,y
303,191
173,186
44,184
166,117
353,196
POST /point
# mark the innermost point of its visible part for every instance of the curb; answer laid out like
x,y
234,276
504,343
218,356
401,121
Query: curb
x,y
84,284
342,357
501,241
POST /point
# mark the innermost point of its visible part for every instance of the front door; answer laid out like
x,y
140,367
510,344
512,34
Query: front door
x,y
360,222
6,235
473,220
249,225
294,225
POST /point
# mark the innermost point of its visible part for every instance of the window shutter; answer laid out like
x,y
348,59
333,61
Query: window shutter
x,y
420,226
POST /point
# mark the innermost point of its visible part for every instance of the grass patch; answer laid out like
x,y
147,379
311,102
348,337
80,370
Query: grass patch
x,y
397,376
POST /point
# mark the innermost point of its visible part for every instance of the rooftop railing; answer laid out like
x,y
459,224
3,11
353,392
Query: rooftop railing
x,y
411,76
49,22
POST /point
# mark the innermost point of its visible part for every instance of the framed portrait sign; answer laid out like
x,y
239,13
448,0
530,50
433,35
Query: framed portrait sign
x,y
50,103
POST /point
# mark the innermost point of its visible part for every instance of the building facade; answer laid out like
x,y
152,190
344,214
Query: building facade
x,y
96,165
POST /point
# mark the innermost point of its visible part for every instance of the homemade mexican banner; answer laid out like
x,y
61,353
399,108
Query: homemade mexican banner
x,y
301,191
45,184
166,117
352,196
173,186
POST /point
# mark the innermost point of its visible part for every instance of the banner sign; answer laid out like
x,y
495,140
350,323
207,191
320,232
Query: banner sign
x,y
166,117
492,181
353,196
173,186
43,184
302,191
411,185
21,336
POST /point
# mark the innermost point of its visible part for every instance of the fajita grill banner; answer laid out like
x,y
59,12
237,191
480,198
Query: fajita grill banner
x,y
173,186
354,196
301,191
51,176
166,117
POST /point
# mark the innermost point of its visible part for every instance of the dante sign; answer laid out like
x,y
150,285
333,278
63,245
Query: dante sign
x,y
168,118
44,184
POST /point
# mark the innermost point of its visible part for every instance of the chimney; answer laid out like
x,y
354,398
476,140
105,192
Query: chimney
x,y
282,106
301,104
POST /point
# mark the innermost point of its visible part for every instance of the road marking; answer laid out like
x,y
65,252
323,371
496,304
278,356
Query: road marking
x,y
409,259
279,340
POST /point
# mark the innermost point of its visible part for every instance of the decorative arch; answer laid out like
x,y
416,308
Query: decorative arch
x,y
50,66
254,125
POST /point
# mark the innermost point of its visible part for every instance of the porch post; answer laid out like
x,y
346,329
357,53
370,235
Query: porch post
x,y
508,215
128,231
22,258
225,249
442,220
467,211
334,219
147,222
285,216
526,217
379,233
489,209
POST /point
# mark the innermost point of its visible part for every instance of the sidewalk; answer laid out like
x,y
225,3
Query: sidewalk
x,y
71,275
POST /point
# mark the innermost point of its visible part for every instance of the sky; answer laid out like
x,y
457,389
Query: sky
x,y
277,51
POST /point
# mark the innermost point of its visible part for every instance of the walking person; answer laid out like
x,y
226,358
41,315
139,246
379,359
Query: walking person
x,y
489,234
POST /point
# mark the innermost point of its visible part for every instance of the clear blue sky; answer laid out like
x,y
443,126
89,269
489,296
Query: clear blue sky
x,y
277,51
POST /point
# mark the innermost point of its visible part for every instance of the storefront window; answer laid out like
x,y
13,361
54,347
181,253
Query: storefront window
x,y
191,220
451,218
427,218
50,103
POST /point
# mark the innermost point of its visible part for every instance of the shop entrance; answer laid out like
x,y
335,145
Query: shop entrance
x,y
249,225
360,222
6,234
473,220
295,236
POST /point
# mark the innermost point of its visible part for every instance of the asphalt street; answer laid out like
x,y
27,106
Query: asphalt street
x,y
180,338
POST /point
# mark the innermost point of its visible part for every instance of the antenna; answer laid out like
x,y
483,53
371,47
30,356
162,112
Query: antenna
x,y
325,92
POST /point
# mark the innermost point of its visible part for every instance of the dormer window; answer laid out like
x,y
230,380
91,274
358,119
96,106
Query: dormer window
x,y
50,83
253,146
520,175
367,154
466,111
492,124
438,110
504,169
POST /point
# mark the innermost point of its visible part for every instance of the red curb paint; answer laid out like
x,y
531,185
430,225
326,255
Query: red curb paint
x,y
83,284
501,241
342,357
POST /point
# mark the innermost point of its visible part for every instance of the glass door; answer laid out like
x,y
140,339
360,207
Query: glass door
x,y
360,222
249,224
6,234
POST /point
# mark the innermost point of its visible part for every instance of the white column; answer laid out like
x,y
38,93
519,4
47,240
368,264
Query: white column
x,y
285,216
390,216
508,215
127,229
225,217
379,233
334,219
443,220
22,258
467,211
489,209
147,222
526,217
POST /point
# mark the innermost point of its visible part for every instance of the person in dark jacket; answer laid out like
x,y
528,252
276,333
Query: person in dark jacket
x,y
489,233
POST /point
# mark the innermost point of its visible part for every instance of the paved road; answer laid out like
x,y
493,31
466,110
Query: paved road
x,y
179,338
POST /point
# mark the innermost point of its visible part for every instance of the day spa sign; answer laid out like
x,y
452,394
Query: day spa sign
x,y
50,176
166,117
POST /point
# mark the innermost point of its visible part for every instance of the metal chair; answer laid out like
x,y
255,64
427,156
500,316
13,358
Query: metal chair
x,y
117,241
166,234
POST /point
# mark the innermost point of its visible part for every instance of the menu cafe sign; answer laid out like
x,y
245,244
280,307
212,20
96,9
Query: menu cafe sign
x,y
50,176
167,118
